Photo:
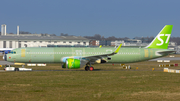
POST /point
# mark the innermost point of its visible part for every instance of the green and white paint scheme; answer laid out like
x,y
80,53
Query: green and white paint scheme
x,y
162,39
74,57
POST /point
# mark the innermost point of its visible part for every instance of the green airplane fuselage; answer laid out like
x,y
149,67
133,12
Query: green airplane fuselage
x,y
57,55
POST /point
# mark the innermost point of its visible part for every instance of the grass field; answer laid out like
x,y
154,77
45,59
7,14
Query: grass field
x,y
107,82
79,85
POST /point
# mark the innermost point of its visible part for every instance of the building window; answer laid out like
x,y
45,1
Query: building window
x,y
78,42
49,41
84,43
40,41
55,41
25,45
34,41
19,44
25,41
70,42
64,41
10,44
4,44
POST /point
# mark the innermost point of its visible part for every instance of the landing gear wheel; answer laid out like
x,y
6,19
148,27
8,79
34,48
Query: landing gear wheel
x,y
91,68
87,68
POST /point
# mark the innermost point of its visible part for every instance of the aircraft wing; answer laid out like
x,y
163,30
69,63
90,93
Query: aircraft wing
x,y
95,57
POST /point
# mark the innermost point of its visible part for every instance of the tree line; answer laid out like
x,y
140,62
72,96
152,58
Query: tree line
x,y
111,38
143,39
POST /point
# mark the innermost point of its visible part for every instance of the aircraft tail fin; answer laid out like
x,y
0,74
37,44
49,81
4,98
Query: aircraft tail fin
x,y
161,41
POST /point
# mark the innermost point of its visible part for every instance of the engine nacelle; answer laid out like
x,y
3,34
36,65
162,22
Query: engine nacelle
x,y
72,64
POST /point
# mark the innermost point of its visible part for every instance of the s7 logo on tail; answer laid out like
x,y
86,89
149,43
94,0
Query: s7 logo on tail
x,y
162,41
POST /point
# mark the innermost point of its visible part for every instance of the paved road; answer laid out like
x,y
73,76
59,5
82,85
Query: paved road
x,y
5,62
2,71
79,70
99,70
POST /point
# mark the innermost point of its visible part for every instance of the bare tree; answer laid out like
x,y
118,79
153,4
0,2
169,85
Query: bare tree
x,y
23,32
62,34
175,39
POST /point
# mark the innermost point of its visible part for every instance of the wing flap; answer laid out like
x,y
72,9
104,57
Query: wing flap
x,y
95,57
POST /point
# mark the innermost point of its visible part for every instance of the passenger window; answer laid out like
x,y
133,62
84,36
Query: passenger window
x,y
13,52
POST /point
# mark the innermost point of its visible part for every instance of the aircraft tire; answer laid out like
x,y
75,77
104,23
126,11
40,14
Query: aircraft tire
x,y
16,69
87,68
91,68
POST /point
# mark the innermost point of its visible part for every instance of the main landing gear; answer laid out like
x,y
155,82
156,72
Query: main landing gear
x,y
91,68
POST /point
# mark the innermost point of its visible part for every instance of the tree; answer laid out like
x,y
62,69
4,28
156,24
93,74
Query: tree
x,y
23,32
62,34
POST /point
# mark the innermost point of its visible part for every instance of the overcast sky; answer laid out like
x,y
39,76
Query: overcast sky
x,y
119,18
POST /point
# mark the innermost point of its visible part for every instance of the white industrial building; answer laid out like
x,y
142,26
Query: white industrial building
x,y
128,42
38,40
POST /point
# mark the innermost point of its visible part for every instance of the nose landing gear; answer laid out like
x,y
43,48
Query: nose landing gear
x,y
5,57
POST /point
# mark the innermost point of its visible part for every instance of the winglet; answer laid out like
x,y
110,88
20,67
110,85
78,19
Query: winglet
x,y
117,50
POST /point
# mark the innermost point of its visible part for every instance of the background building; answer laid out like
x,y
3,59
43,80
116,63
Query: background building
x,y
40,41
9,40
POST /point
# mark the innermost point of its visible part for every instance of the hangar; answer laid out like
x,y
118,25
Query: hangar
x,y
38,40
18,41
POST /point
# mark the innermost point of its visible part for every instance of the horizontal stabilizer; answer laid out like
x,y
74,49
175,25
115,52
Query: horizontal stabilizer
x,y
166,52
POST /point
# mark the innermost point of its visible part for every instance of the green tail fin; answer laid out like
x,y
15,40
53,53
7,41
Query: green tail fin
x,y
161,41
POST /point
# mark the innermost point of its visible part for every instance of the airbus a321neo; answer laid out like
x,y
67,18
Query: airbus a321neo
x,y
74,57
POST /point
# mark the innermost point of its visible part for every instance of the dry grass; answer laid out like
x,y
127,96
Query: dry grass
x,y
82,85
99,85
116,84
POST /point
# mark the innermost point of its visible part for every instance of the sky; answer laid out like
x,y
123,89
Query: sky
x,y
119,18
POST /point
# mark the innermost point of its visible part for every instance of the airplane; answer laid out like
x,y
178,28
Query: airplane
x,y
73,57
6,50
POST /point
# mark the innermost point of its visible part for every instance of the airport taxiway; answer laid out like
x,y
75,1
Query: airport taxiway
x,y
163,58
6,63
77,70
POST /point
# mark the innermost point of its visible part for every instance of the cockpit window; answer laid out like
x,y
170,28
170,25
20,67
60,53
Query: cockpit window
x,y
13,52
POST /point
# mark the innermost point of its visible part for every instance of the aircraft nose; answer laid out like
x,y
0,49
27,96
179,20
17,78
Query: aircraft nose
x,y
5,57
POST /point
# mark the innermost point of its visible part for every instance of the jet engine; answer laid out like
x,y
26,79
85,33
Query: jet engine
x,y
72,64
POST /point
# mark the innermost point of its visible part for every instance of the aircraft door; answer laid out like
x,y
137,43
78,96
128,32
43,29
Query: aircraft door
x,y
23,52
146,53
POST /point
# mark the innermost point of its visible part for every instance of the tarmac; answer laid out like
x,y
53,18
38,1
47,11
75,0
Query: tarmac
x,y
78,70
5,62
97,70
163,58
